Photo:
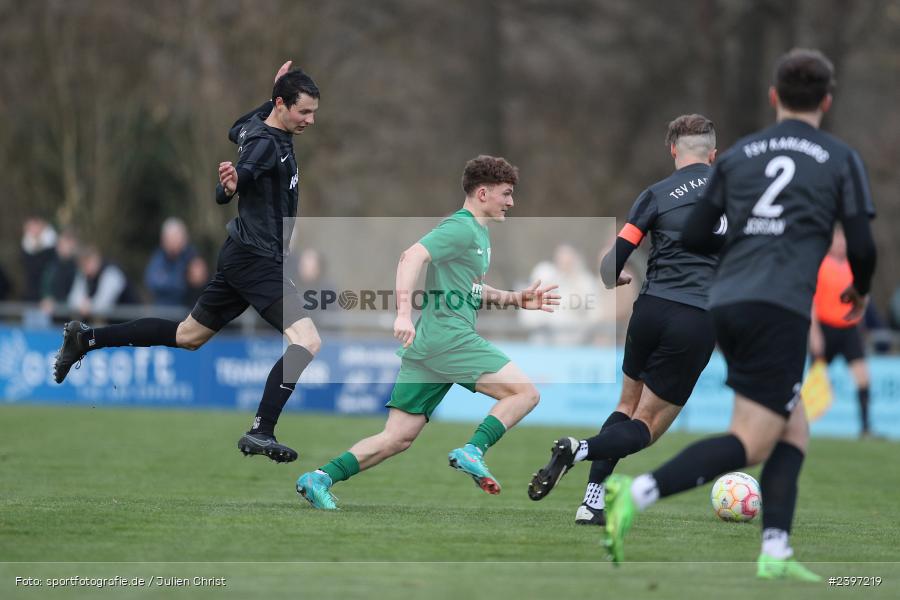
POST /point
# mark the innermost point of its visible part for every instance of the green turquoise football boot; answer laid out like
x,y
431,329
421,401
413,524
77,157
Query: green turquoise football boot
x,y
315,487
469,459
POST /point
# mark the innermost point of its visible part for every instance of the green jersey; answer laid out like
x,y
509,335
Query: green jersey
x,y
460,249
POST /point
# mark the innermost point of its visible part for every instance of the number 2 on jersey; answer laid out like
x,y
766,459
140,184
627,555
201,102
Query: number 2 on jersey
x,y
764,207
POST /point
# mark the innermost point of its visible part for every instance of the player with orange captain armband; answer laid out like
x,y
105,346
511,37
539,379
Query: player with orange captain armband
x,y
670,335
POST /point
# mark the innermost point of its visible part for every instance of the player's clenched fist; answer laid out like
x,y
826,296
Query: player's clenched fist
x,y
404,330
228,177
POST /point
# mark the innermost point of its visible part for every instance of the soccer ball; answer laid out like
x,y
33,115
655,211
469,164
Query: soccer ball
x,y
736,497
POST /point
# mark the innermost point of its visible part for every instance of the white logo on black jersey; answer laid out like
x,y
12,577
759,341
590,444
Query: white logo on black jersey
x,y
793,402
722,227
684,188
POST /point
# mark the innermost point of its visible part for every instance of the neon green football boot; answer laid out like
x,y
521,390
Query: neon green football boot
x,y
769,567
620,511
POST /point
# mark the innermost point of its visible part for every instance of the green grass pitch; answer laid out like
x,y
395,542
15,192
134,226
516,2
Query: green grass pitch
x,y
140,493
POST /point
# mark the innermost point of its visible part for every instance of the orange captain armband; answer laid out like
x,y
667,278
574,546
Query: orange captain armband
x,y
630,233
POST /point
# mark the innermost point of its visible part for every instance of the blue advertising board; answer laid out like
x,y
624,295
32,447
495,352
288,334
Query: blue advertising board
x,y
709,408
356,377
228,372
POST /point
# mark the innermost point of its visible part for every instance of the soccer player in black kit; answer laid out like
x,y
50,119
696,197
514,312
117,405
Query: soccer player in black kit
x,y
670,335
249,270
782,190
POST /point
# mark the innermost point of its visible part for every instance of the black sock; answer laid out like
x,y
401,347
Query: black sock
x,y
699,463
863,395
142,332
601,469
279,387
618,441
779,486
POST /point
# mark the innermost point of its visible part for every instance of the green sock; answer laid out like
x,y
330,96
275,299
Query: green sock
x,y
487,434
341,468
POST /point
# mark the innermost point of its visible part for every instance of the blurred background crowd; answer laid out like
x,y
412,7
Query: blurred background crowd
x,y
115,116
68,277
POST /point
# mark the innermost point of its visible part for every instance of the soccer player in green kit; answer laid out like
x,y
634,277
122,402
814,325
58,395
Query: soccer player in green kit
x,y
443,348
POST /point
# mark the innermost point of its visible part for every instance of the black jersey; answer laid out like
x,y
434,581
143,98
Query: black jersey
x,y
267,180
673,272
782,190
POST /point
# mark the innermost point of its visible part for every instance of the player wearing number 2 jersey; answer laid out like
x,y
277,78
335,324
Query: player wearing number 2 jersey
x,y
782,190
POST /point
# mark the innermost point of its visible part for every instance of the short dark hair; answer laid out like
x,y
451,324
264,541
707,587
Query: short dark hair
x,y
293,83
688,125
803,78
489,170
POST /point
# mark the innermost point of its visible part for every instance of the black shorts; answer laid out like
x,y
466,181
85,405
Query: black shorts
x,y
765,348
845,341
245,279
667,346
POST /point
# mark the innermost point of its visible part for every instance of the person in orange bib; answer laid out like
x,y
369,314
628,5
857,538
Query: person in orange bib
x,y
831,333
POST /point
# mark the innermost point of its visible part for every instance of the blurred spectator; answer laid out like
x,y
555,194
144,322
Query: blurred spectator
x,y
197,278
99,285
578,288
311,271
894,309
5,286
60,273
38,240
166,274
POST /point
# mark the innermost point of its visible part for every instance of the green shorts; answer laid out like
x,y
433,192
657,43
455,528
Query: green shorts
x,y
422,383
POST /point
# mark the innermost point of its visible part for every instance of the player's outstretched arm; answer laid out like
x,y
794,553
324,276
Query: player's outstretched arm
x,y
640,220
534,297
500,298
614,262
411,261
857,212
861,254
